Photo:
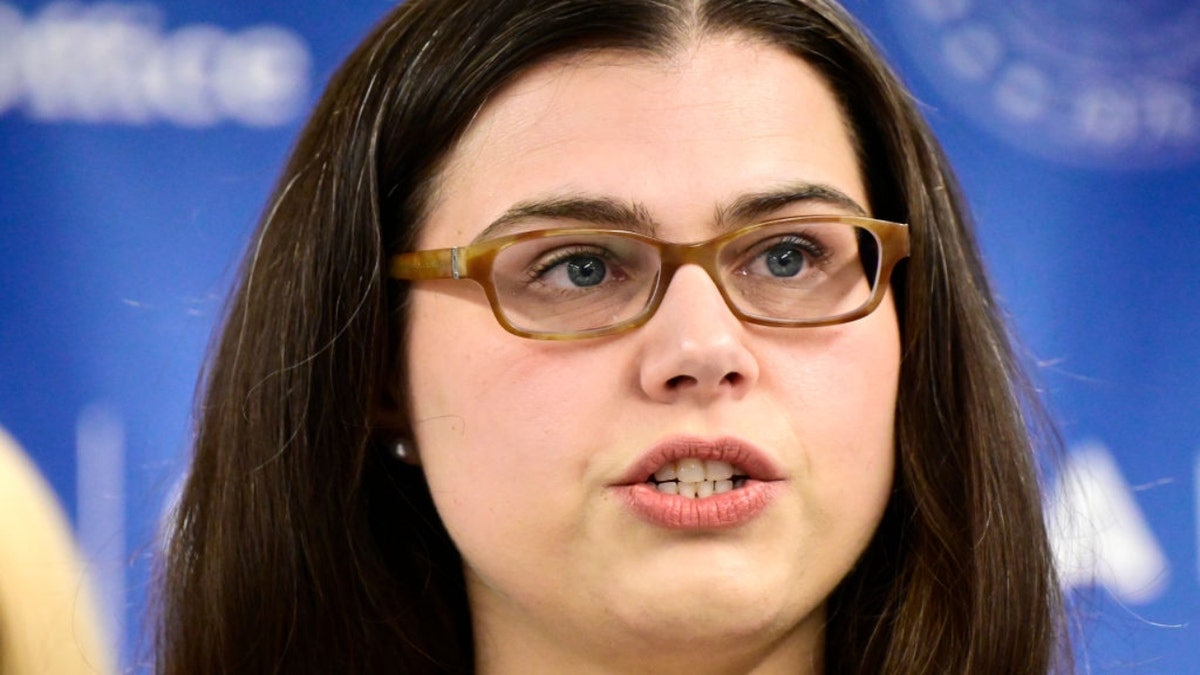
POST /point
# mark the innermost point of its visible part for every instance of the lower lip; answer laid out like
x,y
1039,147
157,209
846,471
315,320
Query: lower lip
x,y
727,509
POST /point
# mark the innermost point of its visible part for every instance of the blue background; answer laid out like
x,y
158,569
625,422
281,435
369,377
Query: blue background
x,y
119,238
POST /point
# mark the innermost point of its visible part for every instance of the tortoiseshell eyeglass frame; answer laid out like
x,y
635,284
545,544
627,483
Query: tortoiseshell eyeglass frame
x,y
475,262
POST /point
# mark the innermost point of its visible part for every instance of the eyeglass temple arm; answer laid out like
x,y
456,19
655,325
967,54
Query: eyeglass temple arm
x,y
418,265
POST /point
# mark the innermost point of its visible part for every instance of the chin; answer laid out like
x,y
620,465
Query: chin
x,y
703,613
668,637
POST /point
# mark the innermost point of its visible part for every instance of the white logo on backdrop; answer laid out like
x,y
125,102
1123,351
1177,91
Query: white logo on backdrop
x,y
100,495
114,63
1099,83
1099,533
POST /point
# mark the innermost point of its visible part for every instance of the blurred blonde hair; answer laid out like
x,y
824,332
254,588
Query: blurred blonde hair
x,y
49,623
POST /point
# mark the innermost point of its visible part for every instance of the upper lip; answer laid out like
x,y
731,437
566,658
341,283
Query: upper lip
x,y
753,461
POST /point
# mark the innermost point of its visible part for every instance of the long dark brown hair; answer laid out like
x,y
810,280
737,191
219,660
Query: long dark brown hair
x,y
302,545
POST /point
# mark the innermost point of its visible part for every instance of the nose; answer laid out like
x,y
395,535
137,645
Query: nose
x,y
694,347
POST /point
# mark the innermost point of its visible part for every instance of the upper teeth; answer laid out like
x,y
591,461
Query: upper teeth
x,y
693,477
692,470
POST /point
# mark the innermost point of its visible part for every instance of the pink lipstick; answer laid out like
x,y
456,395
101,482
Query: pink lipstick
x,y
661,486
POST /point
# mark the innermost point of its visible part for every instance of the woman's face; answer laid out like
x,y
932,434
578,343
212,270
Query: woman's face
x,y
537,452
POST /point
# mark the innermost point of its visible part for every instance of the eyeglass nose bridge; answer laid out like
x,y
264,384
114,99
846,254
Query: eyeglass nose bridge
x,y
673,257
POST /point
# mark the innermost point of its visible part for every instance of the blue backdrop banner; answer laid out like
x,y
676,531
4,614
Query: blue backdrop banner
x,y
138,142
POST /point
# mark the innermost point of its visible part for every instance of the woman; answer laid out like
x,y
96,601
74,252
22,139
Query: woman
x,y
455,424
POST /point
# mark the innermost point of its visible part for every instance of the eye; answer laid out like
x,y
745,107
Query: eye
x,y
784,260
783,257
585,270
573,267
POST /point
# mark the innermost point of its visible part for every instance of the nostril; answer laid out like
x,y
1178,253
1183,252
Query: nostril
x,y
681,381
733,379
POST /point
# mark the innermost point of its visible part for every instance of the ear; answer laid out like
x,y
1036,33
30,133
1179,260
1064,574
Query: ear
x,y
392,428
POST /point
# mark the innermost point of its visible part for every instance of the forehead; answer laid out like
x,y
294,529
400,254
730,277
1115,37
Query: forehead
x,y
679,135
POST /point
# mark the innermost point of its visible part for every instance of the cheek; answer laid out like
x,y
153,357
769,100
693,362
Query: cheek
x,y
503,424
844,400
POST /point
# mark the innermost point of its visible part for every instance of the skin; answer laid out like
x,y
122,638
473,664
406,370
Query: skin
x,y
523,440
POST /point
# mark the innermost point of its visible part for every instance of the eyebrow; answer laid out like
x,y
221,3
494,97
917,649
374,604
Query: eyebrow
x,y
758,205
600,211
610,212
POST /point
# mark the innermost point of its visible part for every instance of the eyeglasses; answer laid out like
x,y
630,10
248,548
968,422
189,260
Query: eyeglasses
x,y
565,284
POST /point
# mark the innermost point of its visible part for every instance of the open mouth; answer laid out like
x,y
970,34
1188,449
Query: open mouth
x,y
697,478
693,483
